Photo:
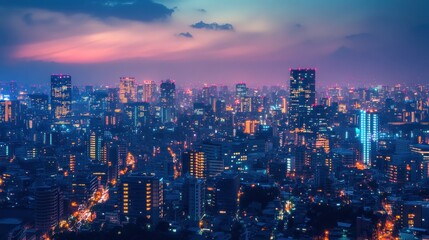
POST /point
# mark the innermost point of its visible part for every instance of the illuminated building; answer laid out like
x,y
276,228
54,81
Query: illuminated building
x,y
167,101
247,104
127,89
302,97
142,196
83,186
140,90
137,113
149,90
284,105
343,157
39,102
213,155
61,96
48,207
318,120
72,162
193,198
322,142
8,111
110,157
421,153
368,124
235,154
194,164
414,214
240,90
300,159
98,103
250,126
112,99
95,146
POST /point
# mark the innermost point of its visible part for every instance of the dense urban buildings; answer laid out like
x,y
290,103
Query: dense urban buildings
x,y
208,120
252,163
61,96
302,97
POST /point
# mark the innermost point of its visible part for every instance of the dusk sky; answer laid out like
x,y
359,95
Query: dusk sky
x,y
215,42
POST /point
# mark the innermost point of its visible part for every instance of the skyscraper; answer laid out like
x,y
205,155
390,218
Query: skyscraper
x,y
194,164
127,90
302,97
226,194
48,207
95,146
13,90
167,100
193,198
213,156
149,89
5,111
368,135
240,90
142,195
61,95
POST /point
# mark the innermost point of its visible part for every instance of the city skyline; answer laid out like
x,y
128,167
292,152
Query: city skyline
x,y
204,120
379,42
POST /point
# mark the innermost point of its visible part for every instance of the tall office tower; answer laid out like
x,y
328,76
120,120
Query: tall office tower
x,y
300,159
140,92
127,90
13,90
368,135
194,164
213,157
194,198
227,186
205,95
95,149
48,207
302,97
141,195
110,157
112,99
246,104
61,95
8,111
167,100
72,162
149,90
240,90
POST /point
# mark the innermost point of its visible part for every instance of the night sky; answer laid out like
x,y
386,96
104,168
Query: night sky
x,y
215,42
